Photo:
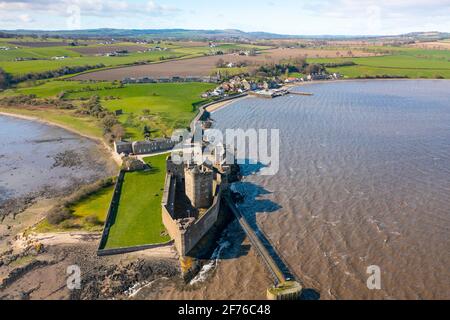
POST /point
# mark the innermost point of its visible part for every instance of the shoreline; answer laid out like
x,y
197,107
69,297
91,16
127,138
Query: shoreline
x,y
111,154
221,104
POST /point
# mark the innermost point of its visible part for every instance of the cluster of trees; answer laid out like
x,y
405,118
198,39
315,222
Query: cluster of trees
x,y
33,101
381,76
163,58
112,129
313,68
294,65
92,89
5,79
54,74
9,35
339,64
274,70
252,52
239,64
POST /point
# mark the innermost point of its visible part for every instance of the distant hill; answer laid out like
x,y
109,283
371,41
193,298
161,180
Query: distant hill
x,y
228,34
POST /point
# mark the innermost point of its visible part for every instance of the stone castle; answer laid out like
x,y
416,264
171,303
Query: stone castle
x,y
192,200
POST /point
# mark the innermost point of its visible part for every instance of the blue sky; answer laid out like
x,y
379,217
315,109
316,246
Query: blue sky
x,y
304,17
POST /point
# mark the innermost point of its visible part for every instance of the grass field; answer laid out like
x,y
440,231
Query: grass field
x,y
138,220
50,89
405,62
36,53
37,66
170,105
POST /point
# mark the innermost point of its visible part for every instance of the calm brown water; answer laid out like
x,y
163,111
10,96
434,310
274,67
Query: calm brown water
x,y
364,180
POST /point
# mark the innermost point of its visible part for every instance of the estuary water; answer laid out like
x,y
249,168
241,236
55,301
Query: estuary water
x,y
364,180
42,160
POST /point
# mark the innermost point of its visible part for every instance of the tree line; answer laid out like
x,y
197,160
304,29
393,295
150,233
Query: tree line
x,y
289,66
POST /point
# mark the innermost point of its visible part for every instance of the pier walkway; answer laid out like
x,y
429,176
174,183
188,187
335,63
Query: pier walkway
x,y
285,285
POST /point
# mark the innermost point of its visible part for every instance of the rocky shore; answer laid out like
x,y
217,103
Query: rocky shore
x,y
36,267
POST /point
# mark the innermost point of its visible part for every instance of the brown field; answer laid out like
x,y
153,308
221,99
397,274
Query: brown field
x,y
437,45
108,48
203,66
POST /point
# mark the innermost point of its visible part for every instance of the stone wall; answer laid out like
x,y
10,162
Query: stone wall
x,y
197,230
112,210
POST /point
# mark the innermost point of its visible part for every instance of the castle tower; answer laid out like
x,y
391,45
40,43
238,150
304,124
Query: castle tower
x,y
199,186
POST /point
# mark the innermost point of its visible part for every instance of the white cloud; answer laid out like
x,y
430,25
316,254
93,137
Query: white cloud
x,y
25,18
87,7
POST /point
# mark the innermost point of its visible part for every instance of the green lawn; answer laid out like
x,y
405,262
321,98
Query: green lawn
x,y
138,220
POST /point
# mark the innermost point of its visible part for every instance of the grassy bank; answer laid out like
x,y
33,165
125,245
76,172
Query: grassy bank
x,y
138,220
83,125
88,215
